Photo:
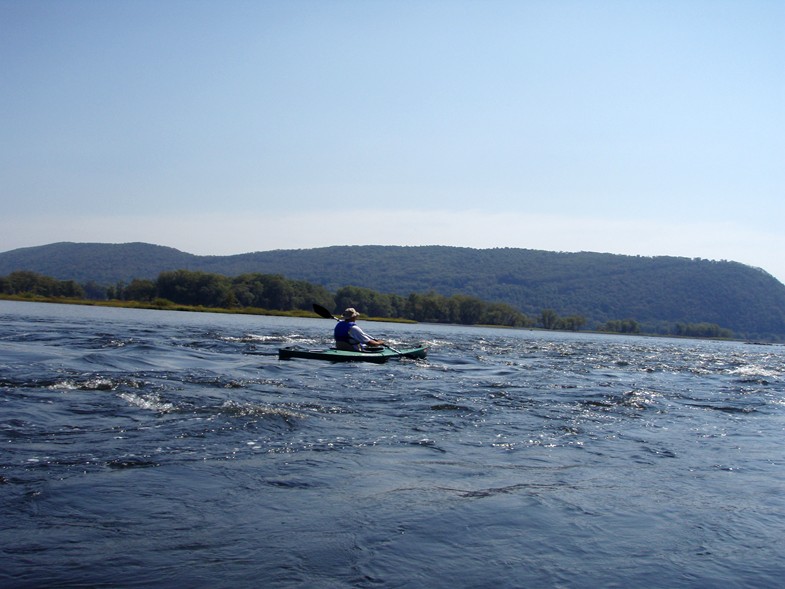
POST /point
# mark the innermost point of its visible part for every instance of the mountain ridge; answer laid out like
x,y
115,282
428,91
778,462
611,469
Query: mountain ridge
x,y
598,286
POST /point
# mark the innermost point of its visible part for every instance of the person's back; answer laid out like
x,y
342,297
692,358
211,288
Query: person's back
x,y
343,339
349,336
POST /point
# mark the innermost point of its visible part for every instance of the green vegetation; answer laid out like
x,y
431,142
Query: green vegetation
x,y
582,290
262,294
32,284
273,294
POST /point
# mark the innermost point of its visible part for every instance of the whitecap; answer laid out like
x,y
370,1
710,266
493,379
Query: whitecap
x,y
150,402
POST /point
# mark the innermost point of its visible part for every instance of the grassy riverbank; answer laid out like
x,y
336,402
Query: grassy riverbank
x,y
164,305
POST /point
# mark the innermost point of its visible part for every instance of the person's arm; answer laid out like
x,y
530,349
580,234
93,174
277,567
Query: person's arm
x,y
359,335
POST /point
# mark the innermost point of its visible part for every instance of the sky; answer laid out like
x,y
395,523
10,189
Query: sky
x,y
223,126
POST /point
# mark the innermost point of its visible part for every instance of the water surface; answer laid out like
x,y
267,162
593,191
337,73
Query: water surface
x,y
165,449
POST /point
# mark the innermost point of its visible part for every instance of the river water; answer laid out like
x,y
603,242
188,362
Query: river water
x,y
165,449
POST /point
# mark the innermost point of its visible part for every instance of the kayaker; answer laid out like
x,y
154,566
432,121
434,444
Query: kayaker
x,y
349,336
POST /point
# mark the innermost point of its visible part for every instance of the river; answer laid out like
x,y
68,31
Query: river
x,y
169,449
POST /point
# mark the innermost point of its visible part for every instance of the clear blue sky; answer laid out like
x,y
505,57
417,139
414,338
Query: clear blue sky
x,y
219,127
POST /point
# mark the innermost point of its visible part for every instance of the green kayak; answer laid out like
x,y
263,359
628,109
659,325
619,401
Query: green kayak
x,y
333,355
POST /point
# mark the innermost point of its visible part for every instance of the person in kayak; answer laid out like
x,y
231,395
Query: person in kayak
x,y
350,337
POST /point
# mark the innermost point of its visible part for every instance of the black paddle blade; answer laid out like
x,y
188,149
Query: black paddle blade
x,y
321,311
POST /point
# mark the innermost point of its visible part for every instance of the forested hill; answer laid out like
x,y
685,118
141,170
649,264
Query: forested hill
x,y
599,287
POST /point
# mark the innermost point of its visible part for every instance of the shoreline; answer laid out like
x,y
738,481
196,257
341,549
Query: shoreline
x,y
169,306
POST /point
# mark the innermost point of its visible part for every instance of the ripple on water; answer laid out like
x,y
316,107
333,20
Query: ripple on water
x,y
509,458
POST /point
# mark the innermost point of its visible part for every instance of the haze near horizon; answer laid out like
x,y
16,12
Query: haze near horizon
x,y
647,128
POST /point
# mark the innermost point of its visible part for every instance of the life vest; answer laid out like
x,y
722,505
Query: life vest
x,y
342,332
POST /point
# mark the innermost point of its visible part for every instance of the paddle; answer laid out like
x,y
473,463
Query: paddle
x,y
321,311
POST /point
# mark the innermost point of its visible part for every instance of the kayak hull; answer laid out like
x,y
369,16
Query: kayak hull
x,y
333,355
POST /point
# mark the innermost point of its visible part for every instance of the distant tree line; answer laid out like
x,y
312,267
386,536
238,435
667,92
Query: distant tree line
x,y
549,319
702,330
30,283
622,326
203,289
269,292
273,292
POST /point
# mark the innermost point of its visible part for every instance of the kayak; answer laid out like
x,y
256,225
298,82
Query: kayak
x,y
333,355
